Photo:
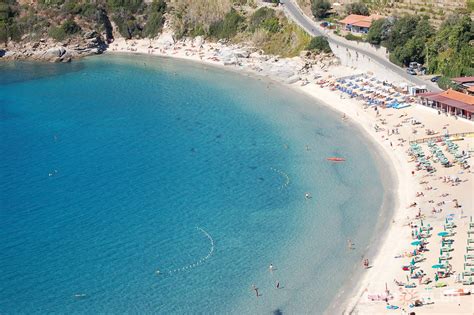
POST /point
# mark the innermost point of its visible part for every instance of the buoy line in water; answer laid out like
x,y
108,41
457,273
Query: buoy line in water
x,y
195,264
281,173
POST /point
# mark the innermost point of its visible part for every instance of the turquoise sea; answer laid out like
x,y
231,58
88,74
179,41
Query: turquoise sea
x,y
116,167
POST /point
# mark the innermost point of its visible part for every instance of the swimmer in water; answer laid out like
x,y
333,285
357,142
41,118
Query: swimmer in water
x,y
350,245
307,196
255,289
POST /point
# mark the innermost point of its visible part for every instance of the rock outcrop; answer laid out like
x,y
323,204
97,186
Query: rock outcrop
x,y
90,43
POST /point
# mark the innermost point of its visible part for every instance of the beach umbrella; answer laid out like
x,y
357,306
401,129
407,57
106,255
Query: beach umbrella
x,y
442,234
416,243
436,277
413,261
437,266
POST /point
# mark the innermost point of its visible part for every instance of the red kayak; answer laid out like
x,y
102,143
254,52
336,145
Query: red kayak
x,y
336,159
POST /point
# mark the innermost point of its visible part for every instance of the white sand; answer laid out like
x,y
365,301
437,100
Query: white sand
x,y
384,268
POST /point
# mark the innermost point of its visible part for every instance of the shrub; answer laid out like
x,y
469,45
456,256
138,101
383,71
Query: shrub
x,y
353,37
319,44
70,27
228,27
154,24
357,8
320,8
446,83
131,6
264,18
57,33
155,18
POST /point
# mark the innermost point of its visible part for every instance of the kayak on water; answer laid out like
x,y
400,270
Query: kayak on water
x,y
336,159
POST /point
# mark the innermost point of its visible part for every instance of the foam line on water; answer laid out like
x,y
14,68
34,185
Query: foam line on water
x,y
196,263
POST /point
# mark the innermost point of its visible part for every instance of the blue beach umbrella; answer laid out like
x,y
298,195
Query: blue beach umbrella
x,y
416,243
437,266
442,234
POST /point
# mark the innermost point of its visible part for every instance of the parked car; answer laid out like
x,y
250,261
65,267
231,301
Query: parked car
x,y
435,79
411,71
414,65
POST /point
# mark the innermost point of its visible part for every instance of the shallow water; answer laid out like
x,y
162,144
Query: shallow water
x,y
115,167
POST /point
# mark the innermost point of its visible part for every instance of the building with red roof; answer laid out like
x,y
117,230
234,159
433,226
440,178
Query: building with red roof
x,y
450,102
466,84
358,23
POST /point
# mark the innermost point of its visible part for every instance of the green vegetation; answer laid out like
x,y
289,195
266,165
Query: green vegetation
x,y
233,20
264,18
353,37
155,18
228,27
9,28
411,38
320,8
378,32
446,83
68,28
288,42
319,44
357,8
450,51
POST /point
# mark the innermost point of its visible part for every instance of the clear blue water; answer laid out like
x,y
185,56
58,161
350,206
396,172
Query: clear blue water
x,y
109,165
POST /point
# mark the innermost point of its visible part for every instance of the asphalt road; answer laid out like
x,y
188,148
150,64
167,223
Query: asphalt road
x,y
309,25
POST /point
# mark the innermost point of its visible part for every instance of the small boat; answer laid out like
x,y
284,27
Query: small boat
x,y
336,159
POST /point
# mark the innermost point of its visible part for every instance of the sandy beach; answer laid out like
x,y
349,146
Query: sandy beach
x,y
431,203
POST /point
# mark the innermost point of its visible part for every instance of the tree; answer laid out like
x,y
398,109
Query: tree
x,y
320,8
357,8
155,18
319,44
375,34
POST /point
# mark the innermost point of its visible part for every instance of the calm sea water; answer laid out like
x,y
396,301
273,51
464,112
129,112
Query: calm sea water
x,y
115,167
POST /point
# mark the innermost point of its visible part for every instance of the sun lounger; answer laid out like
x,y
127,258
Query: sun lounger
x,y
445,257
456,292
467,273
380,297
392,307
469,248
446,249
469,281
440,285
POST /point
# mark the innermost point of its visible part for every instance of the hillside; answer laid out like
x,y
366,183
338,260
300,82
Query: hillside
x,y
85,26
436,10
